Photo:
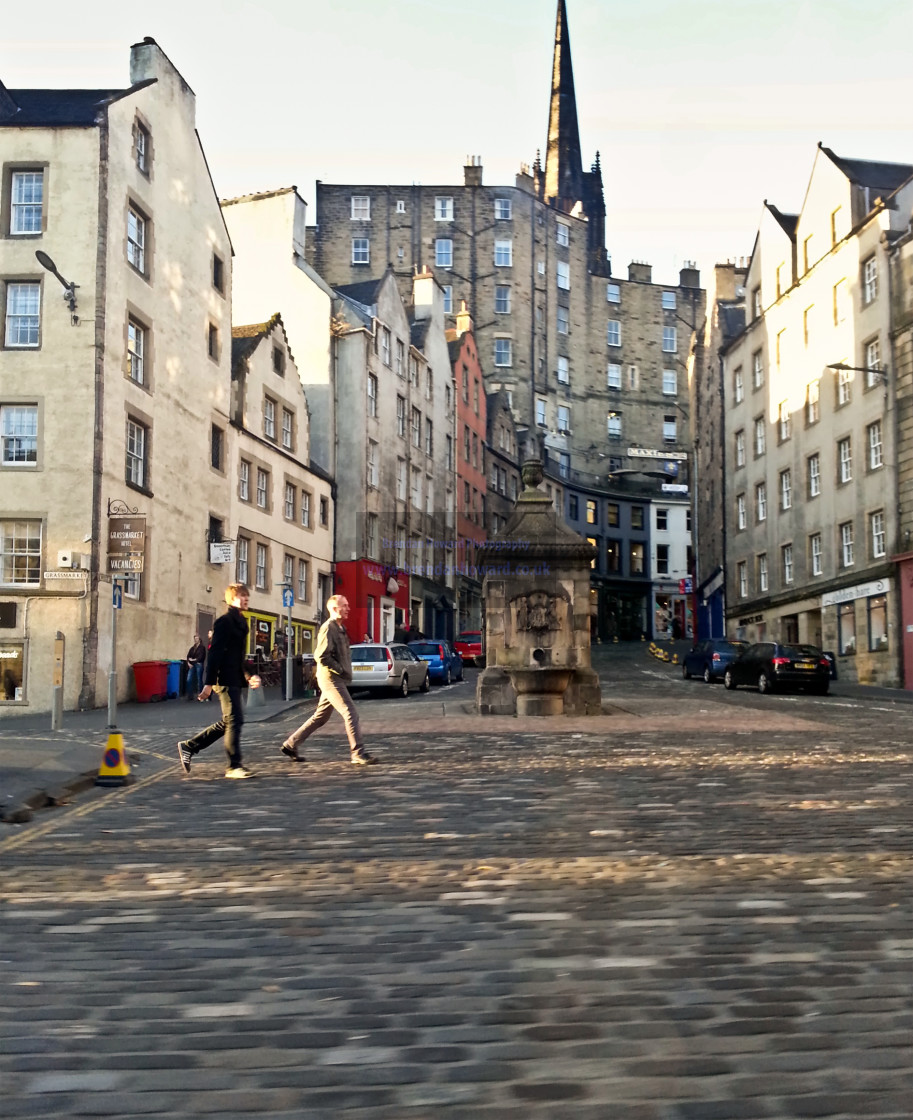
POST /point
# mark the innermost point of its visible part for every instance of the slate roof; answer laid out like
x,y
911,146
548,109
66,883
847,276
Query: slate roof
x,y
787,222
884,177
56,108
732,320
418,333
364,292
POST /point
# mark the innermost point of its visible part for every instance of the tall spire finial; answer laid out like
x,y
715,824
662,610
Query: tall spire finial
x,y
563,162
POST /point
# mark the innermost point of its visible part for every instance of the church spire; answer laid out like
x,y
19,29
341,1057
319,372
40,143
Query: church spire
x,y
563,162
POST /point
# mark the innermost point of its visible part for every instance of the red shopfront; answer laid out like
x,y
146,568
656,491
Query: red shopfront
x,y
378,599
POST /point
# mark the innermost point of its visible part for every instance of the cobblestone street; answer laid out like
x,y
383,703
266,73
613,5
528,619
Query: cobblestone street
x,y
696,906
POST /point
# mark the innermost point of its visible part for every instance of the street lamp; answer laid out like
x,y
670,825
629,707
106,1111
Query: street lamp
x,y
69,288
871,371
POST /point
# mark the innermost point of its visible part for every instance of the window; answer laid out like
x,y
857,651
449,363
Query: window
x,y
18,435
563,320
562,234
670,429
564,418
786,482
844,386
400,357
786,562
814,475
877,612
20,553
305,509
762,572
288,422
413,371
429,436
417,488
836,225
613,424
637,559
503,209
846,544
212,342
26,202
302,581
136,239
216,447
613,293
845,460
401,416
814,542
416,428
669,301
289,501
502,299
757,369
784,421
840,302
443,209
592,516
136,350
869,280
613,376
372,395
741,512
670,382
573,510
540,412
401,479
385,344
361,208
361,250
564,275
371,473
563,371
449,455
244,480
613,332
23,314
876,450
136,453
872,363
400,206
670,340
637,517
876,526
443,252
760,497
743,578
662,519
662,559
262,488
504,254
760,436
740,449
218,273
243,560
269,418
448,298
613,556
738,385
564,464
807,323
503,352
260,572
812,406
278,361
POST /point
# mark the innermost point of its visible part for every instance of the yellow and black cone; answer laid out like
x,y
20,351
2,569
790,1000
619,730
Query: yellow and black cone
x,y
114,770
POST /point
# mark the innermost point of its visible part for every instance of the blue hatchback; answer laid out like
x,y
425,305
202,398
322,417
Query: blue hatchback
x,y
710,659
444,663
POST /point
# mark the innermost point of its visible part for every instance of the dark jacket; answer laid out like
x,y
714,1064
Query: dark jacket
x,y
225,663
333,651
196,655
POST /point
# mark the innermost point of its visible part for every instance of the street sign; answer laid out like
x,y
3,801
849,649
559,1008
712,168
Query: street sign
x,y
126,543
118,597
221,552
288,597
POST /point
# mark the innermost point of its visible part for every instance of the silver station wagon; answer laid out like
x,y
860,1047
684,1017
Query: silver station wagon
x,y
393,666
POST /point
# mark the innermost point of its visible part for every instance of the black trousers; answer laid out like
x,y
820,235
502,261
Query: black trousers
x,y
229,725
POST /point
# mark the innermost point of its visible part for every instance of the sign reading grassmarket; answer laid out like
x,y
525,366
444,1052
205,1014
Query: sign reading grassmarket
x,y
126,544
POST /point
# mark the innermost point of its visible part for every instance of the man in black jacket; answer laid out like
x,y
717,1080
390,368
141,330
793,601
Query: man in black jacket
x,y
225,674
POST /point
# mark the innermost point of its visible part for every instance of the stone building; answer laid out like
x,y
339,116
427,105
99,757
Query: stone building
x,y
595,363
279,505
129,308
503,457
813,431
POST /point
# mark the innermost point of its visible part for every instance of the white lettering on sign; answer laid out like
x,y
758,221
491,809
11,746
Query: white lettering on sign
x,y
125,563
64,575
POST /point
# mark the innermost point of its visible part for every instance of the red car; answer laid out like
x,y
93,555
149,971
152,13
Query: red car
x,y
469,646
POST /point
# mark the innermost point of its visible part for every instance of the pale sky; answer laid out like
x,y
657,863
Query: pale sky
x,y
700,109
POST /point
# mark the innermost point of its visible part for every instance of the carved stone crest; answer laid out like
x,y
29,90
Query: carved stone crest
x,y
537,611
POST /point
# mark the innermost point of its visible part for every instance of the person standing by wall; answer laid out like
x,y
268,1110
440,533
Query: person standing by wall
x,y
225,675
334,674
196,655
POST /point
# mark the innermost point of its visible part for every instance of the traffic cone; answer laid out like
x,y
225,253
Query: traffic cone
x,y
114,770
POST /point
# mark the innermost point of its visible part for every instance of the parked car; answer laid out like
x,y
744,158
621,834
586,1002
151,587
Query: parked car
x,y
774,665
392,666
709,658
469,646
445,664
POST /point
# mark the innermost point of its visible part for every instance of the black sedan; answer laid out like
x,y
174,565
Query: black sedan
x,y
774,665
709,658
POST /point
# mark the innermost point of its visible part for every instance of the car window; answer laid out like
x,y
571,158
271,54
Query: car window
x,y
732,647
369,653
429,649
800,651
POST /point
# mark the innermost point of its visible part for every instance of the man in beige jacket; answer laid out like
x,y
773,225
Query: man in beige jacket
x,y
334,675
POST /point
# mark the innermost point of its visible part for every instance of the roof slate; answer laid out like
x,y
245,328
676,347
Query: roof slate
x,y
56,107
886,177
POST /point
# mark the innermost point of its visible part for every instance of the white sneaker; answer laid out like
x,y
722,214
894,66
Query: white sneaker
x,y
238,772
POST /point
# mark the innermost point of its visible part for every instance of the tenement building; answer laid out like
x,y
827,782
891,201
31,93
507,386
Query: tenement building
x,y
812,425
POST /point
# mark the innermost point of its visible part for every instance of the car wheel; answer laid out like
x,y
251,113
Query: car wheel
x,y
708,676
764,684
686,672
404,686
426,683
728,681
447,677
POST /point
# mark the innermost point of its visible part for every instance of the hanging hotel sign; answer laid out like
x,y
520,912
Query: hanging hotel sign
x,y
653,453
126,544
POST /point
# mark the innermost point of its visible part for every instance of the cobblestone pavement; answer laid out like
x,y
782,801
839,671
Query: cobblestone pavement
x,y
695,907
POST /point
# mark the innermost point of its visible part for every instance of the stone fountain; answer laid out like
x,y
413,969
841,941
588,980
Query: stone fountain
x,y
536,591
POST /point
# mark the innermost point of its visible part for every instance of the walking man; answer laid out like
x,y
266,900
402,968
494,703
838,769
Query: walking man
x,y
225,675
334,675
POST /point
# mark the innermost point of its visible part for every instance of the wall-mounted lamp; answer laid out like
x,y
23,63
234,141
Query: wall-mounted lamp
x,y
69,288
871,371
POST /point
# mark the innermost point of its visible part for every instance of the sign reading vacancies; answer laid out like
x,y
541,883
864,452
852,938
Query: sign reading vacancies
x,y
126,544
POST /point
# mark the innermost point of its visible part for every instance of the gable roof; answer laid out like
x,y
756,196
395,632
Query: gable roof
x,y
787,222
58,108
245,339
365,292
885,177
